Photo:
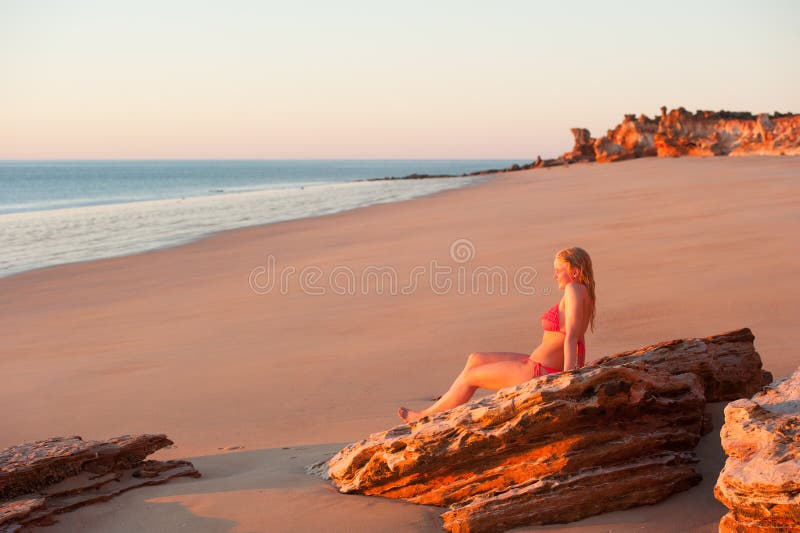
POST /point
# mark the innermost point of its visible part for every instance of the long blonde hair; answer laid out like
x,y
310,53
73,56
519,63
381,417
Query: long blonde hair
x,y
579,259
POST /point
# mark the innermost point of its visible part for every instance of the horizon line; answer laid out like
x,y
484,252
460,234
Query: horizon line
x,y
3,160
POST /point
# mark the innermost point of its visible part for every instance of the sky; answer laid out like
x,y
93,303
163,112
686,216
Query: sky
x,y
240,79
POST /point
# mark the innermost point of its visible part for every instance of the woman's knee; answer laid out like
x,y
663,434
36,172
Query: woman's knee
x,y
475,359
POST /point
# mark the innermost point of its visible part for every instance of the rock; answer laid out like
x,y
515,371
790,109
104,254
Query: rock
x,y
707,133
727,363
41,479
676,133
554,449
760,482
583,149
631,139
680,133
545,163
561,447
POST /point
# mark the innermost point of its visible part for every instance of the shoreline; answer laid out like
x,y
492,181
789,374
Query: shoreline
x,y
176,340
203,235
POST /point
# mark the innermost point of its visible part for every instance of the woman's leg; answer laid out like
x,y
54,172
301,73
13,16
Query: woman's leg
x,y
482,358
489,370
460,392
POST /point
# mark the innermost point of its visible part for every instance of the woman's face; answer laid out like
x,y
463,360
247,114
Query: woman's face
x,y
563,273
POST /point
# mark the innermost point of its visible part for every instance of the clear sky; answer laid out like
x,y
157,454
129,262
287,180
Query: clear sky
x,y
145,79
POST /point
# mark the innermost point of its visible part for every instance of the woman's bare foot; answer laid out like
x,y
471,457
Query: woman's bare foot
x,y
408,415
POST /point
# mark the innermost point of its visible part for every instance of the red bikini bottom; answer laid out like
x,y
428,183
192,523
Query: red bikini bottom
x,y
540,370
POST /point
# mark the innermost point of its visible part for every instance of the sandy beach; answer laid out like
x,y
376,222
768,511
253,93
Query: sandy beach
x,y
254,381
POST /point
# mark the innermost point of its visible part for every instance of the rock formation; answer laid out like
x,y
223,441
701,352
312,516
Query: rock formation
x,y
561,447
539,454
41,479
583,150
674,134
728,363
680,133
630,139
709,134
760,482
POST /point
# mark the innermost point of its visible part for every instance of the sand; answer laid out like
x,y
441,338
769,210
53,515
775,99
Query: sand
x,y
177,341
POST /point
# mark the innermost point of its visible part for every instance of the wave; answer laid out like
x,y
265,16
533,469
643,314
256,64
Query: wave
x,y
65,234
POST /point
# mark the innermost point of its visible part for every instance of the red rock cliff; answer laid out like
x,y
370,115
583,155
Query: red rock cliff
x,y
681,133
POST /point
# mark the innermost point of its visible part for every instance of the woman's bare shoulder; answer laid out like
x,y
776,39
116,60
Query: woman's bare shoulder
x,y
576,290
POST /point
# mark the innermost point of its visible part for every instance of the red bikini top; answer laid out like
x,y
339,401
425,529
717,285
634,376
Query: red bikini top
x,y
550,321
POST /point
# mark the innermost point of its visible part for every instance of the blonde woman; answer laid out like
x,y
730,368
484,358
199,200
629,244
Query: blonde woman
x,y
562,348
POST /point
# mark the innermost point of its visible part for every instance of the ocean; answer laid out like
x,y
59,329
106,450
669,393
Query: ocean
x,y
57,212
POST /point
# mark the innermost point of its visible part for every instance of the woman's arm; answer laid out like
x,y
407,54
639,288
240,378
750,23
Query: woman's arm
x,y
573,300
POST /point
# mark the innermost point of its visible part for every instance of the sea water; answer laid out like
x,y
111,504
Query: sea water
x,y
56,212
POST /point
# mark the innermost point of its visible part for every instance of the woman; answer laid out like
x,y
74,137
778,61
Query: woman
x,y
562,347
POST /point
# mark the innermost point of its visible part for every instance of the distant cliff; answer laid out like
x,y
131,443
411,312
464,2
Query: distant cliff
x,y
681,133
673,134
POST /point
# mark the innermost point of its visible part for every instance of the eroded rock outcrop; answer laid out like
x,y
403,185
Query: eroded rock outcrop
x,y
583,151
555,449
561,447
706,133
41,479
760,482
680,133
632,138
728,363
675,133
